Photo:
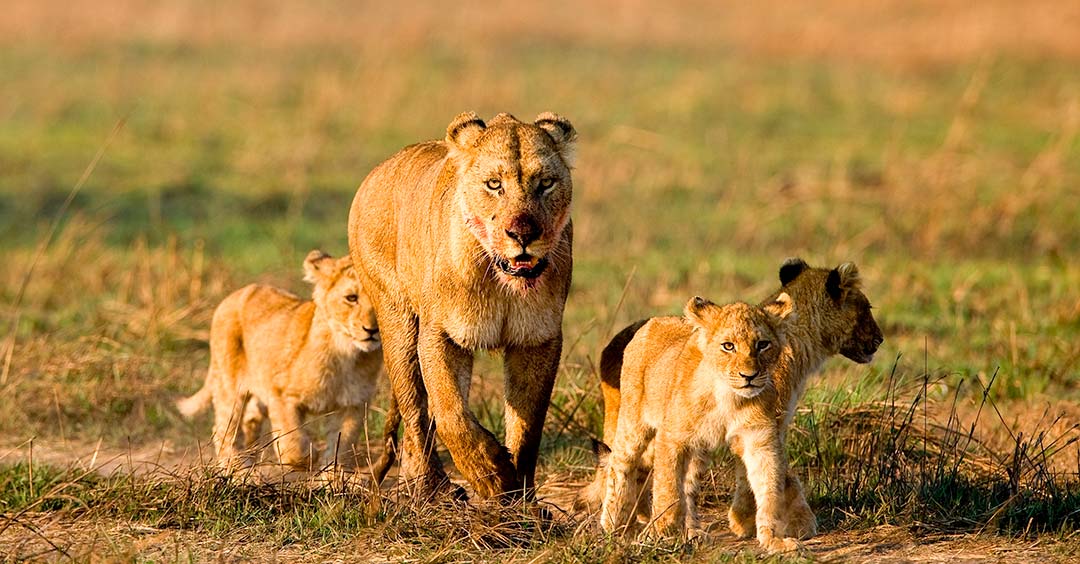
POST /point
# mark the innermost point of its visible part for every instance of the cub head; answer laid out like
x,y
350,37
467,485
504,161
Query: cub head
x,y
740,343
514,189
342,300
840,310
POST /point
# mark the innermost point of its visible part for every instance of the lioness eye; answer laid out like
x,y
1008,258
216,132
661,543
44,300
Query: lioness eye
x,y
352,298
762,345
494,184
729,347
547,183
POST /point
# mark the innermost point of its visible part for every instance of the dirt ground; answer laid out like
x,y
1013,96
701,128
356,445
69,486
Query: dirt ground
x,y
59,536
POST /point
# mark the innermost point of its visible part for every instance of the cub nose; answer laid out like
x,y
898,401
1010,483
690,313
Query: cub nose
x,y
878,340
524,230
748,377
372,330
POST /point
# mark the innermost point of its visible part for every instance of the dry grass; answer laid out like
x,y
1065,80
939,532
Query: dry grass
x,y
934,143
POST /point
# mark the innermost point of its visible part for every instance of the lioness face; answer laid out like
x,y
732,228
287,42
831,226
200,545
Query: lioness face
x,y
740,343
514,190
342,299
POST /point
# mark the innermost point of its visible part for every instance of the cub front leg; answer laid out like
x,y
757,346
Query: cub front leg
x,y
342,439
476,452
669,502
766,471
743,508
290,440
529,378
801,522
622,485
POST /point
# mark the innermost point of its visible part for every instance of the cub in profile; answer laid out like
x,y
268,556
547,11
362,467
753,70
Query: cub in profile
x,y
275,355
689,384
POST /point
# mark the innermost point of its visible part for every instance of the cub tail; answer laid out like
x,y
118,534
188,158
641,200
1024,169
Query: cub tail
x,y
193,405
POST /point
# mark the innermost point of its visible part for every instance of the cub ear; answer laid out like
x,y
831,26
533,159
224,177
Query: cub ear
x,y
318,266
791,269
465,130
783,307
841,280
561,132
695,310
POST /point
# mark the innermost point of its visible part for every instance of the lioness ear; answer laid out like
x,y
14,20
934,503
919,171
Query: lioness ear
x,y
783,307
465,130
695,310
318,266
561,131
791,269
841,280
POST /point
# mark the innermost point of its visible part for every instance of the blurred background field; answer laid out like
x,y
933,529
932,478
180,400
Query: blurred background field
x,y
933,143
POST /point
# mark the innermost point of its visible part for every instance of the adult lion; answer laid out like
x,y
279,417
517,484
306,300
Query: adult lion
x,y
465,244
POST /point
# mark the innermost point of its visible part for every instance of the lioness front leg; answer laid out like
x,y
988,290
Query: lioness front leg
x,y
530,377
766,471
420,465
476,452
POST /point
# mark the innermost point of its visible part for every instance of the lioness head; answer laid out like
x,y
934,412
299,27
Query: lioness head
x,y
342,300
514,189
842,311
740,343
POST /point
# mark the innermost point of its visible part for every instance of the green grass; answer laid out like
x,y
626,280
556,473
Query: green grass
x,y
705,159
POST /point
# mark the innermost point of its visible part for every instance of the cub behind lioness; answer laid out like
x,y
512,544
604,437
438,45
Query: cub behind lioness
x,y
274,354
689,384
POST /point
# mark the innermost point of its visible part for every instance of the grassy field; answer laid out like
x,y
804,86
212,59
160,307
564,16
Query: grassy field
x,y
933,143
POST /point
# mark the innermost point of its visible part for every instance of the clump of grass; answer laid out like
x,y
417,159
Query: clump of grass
x,y
892,462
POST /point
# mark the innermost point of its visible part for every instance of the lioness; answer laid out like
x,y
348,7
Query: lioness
x,y
272,353
834,317
689,384
465,244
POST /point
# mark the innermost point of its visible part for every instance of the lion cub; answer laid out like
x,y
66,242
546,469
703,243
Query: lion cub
x,y
687,385
274,354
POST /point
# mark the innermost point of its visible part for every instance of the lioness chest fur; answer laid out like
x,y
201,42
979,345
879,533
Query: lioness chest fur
x,y
465,244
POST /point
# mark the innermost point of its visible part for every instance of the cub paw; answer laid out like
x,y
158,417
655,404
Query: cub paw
x,y
801,524
775,545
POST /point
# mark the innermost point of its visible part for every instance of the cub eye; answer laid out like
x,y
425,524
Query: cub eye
x,y
729,347
762,345
494,184
352,298
547,183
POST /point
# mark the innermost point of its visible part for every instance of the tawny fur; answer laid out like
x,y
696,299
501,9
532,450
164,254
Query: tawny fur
x,y
465,244
275,355
834,318
688,385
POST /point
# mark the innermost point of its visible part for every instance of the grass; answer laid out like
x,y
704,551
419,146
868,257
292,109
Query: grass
x,y
715,142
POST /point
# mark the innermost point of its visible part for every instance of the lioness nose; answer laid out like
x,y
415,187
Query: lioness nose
x,y
371,330
878,340
524,230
